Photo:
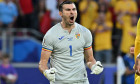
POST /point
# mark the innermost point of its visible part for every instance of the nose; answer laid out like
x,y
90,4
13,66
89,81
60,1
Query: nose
x,y
71,11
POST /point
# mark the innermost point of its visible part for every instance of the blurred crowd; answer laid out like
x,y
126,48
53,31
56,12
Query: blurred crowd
x,y
112,22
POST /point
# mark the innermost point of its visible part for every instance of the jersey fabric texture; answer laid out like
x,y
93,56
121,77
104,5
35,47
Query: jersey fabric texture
x,y
68,52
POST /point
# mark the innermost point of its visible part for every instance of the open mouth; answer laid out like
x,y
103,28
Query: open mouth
x,y
71,18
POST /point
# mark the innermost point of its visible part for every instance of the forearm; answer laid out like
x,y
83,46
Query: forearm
x,y
129,72
89,58
44,60
42,66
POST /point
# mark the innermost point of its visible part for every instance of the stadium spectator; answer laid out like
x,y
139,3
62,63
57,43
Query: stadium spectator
x,y
125,12
128,34
8,73
52,5
8,14
129,7
104,8
26,14
102,30
44,17
128,77
88,12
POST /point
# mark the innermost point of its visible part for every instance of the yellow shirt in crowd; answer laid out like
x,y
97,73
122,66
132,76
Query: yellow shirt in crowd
x,y
90,15
102,41
1,0
108,16
128,40
113,2
129,6
137,49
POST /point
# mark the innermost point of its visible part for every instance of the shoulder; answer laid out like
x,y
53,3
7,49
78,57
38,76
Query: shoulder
x,y
82,28
53,31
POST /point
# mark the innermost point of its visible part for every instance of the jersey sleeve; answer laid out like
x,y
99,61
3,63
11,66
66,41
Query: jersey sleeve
x,y
47,43
88,40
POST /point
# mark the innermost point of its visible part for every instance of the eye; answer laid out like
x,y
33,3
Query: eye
x,y
74,9
67,9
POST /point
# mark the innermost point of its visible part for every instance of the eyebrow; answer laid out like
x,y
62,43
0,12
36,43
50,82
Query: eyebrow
x,y
70,9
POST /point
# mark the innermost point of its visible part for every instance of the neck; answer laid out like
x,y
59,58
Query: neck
x,y
66,26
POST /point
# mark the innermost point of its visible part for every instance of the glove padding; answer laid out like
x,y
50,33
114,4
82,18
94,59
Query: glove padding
x,y
97,68
50,74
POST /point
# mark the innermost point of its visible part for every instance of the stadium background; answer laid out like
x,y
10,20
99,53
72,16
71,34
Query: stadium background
x,y
22,39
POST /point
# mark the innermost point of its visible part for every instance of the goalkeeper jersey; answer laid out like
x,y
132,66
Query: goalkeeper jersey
x,y
68,51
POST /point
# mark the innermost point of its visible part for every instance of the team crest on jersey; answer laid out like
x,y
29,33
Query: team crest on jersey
x,y
77,35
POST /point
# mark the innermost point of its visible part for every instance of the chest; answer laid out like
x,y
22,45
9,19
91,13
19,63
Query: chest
x,y
69,42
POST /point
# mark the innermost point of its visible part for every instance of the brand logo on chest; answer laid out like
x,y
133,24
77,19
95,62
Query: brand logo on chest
x,y
70,39
61,38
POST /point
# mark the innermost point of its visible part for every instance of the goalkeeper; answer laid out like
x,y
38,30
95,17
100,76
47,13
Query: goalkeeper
x,y
67,44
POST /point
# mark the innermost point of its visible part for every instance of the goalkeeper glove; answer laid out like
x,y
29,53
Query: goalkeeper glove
x,y
50,74
97,68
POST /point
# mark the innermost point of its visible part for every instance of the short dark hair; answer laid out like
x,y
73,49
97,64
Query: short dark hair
x,y
5,56
65,2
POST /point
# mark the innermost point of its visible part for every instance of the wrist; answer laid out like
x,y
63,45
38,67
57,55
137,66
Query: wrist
x,y
90,64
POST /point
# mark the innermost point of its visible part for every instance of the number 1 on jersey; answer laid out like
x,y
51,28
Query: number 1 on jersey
x,y
70,46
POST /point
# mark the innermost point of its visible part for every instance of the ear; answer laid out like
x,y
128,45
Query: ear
x,y
60,13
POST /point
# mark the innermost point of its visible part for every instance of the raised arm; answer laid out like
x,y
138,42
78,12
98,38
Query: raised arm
x,y
44,60
89,57
95,67
47,48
